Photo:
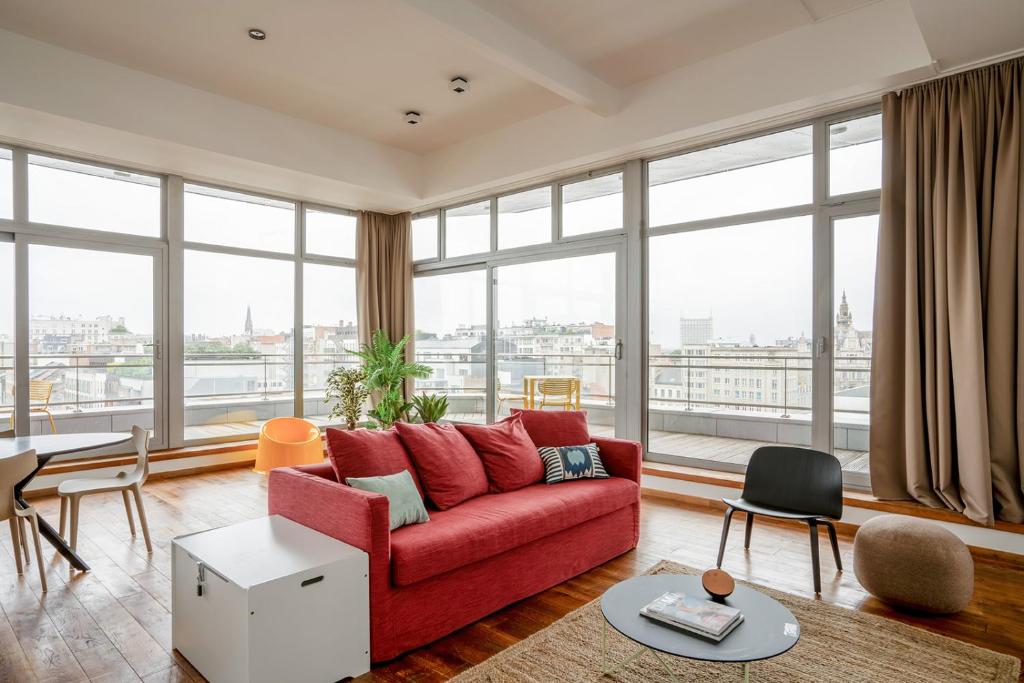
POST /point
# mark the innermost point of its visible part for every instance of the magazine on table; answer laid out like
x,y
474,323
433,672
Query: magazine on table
x,y
694,614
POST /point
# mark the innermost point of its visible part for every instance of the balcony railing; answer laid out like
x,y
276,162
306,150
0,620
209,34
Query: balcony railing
x,y
774,366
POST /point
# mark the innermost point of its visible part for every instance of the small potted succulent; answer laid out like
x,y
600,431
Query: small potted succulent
x,y
346,390
430,407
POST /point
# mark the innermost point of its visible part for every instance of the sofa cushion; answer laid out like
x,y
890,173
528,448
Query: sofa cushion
x,y
565,463
555,427
448,466
405,504
510,458
498,522
368,453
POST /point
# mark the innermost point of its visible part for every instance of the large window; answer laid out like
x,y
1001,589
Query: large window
x,y
741,349
556,343
468,229
234,219
239,346
451,337
329,331
78,195
91,364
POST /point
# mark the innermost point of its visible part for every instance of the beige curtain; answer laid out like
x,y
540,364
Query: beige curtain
x,y
947,396
384,277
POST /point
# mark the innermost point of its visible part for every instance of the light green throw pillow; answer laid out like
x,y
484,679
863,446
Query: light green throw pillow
x,y
404,502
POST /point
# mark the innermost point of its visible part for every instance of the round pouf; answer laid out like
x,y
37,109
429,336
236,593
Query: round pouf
x,y
913,564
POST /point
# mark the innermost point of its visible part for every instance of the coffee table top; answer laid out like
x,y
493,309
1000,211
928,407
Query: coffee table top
x,y
768,628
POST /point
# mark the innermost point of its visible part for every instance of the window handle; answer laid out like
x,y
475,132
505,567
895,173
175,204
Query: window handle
x,y
618,349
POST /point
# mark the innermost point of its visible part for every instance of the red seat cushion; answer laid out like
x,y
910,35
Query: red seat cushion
x,y
449,468
492,524
368,453
510,458
555,427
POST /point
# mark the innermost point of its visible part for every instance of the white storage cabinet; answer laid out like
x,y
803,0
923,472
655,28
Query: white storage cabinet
x,y
270,600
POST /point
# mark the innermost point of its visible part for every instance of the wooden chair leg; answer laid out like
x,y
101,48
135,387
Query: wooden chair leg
x,y
15,538
63,516
75,500
725,535
128,511
750,527
24,540
53,427
34,522
835,544
137,490
815,563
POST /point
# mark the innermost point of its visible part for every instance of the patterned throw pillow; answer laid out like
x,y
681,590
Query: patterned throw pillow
x,y
564,463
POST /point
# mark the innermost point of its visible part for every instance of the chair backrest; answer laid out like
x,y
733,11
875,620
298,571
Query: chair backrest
x,y
12,471
556,386
140,439
39,390
795,479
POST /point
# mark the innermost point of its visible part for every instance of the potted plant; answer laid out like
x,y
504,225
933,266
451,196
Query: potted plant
x,y
386,371
430,407
345,389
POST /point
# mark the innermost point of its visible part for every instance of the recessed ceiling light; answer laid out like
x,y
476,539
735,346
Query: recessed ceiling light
x,y
257,34
458,85
412,117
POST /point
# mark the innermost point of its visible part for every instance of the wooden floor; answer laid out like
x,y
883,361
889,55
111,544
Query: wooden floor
x,y
113,623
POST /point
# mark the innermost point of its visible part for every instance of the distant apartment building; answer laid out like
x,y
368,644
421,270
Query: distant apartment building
x,y
694,331
81,331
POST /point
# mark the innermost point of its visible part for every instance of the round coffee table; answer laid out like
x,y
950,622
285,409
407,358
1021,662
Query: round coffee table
x,y
768,628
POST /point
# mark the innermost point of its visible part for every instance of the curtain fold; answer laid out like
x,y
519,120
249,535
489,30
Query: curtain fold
x,y
384,277
947,401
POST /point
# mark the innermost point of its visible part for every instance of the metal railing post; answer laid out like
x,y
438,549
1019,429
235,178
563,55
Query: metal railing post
x,y
689,406
265,384
78,388
785,387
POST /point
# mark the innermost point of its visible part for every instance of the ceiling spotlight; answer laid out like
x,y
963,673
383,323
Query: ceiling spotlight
x,y
458,85
412,117
257,34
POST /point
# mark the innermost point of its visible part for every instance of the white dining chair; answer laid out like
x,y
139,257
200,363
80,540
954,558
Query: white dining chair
x,y
71,491
13,470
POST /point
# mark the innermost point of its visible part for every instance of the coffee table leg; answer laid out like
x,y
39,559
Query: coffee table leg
x,y
668,669
746,672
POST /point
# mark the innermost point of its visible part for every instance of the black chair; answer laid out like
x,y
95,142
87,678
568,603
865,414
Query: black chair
x,y
791,483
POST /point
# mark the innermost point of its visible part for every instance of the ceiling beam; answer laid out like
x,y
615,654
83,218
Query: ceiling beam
x,y
516,50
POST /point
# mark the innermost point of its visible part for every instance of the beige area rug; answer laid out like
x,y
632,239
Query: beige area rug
x,y
836,644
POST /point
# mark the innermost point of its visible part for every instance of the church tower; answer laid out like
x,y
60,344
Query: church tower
x,y
844,318
248,321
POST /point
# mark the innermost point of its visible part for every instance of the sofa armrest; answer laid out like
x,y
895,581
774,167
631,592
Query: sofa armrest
x,y
356,517
621,457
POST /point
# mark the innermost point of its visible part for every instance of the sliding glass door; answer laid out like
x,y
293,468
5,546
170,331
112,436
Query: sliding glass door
x,y
555,337
95,360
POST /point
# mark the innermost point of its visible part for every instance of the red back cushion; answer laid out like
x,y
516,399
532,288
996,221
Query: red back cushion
x,y
510,458
368,453
449,468
555,427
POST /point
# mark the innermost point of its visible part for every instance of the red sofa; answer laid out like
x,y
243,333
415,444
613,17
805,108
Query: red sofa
x,y
428,580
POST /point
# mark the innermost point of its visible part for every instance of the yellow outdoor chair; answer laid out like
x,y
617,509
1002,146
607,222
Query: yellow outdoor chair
x,y
557,391
39,391
510,398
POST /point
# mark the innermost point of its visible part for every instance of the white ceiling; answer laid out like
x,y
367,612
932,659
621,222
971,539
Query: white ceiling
x,y
357,65
557,86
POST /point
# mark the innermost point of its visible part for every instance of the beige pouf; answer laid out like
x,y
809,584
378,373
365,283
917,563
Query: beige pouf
x,y
914,564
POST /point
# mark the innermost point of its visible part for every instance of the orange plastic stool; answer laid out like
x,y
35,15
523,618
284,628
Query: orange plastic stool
x,y
286,442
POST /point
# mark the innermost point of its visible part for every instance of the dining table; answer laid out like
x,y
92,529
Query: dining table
x,y
47,448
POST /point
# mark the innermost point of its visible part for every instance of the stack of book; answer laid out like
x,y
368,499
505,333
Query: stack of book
x,y
695,615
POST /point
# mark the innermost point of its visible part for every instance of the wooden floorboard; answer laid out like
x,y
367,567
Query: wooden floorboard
x,y
114,623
